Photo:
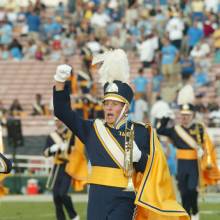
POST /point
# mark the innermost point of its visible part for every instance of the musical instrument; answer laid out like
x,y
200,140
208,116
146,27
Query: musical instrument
x,y
128,157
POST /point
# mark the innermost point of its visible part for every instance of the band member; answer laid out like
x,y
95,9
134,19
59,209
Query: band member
x,y
5,164
119,150
195,156
5,167
59,145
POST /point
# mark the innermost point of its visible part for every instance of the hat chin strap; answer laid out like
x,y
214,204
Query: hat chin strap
x,y
121,115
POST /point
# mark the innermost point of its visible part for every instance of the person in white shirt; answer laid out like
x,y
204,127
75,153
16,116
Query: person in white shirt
x,y
175,28
211,5
147,49
140,108
100,18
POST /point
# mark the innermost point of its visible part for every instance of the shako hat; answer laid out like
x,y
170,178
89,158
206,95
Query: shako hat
x,y
114,75
186,108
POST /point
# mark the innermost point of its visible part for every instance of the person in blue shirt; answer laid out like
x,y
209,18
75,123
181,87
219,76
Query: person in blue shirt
x,y
170,56
187,65
33,22
194,35
201,77
140,82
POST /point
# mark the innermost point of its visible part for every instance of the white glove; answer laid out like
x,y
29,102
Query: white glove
x,y
54,148
63,146
200,152
136,152
62,73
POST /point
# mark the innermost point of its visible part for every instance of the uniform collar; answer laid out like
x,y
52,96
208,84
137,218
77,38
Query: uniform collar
x,y
119,125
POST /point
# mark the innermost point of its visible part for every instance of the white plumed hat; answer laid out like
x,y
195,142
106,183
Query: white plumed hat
x,y
114,75
186,95
114,66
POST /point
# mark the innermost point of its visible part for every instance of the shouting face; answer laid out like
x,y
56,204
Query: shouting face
x,y
186,119
112,110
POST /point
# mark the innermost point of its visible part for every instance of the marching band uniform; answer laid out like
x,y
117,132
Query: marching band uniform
x,y
5,167
191,143
105,146
5,164
84,81
55,141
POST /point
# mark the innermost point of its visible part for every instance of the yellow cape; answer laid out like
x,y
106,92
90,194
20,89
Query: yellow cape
x,y
77,167
3,190
210,172
156,199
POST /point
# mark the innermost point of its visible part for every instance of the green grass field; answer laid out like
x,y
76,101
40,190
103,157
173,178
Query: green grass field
x,y
45,211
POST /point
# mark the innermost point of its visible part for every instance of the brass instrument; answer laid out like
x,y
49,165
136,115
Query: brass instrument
x,y
62,156
128,157
52,176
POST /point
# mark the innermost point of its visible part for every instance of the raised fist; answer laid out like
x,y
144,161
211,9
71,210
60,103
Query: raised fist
x,y
62,73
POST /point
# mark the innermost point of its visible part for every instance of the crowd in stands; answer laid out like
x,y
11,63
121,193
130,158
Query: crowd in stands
x,y
173,39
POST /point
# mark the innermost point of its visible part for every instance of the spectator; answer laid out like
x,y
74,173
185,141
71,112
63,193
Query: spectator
x,y
170,56
211,6
187,65
5,32
15,108
209,27
60,10
200,77
30,49
156,82
201,50
68,45
15,48
140,108
197,7
140,82
5,53
39,107
194,35
175,28
146,50
99,21
33,21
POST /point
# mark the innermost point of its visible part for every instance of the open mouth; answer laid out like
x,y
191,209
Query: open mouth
x,y
110,115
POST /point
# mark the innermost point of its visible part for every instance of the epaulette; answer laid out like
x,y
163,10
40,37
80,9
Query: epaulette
x,y
146,125
200,124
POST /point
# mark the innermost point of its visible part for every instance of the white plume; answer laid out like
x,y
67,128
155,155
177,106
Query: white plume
x,y
186,95
115,66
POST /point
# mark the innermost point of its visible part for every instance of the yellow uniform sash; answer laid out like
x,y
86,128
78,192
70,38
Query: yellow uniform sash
x,y
186,137
110,144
